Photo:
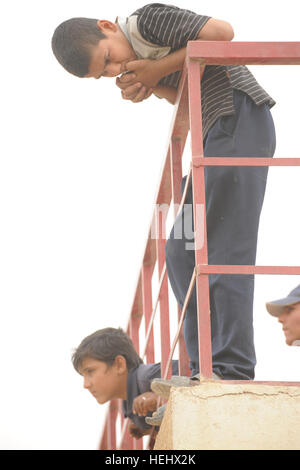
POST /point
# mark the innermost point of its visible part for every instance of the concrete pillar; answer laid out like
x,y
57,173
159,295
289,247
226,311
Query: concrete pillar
x,y
215,416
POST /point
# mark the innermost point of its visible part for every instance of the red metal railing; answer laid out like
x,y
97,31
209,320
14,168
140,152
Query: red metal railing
x,y
187,116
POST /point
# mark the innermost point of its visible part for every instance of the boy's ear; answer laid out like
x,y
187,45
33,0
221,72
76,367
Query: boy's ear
x,y
106,26
120,363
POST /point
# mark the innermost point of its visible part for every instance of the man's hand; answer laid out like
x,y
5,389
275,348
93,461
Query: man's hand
x,y
144,403
132,90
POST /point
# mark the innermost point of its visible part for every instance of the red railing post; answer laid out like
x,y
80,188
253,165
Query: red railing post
x,y
111,424
176,151
103,441
147,308
164,296
202,282
126,441
134,330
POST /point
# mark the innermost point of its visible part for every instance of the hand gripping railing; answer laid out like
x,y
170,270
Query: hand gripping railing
x,y
187,116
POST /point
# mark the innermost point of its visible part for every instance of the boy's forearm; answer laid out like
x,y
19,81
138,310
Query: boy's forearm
x,y
171,63
165,92
213,30
170,93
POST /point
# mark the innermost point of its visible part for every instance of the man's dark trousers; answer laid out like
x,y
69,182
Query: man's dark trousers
x,y
234,198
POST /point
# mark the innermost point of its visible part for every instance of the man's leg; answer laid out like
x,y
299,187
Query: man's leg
x,y
234,198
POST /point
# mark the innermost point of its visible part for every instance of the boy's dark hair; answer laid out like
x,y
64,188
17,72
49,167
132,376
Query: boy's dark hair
x,y
104,345
72,42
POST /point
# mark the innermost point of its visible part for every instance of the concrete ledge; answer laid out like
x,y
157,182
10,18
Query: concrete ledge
x,y
215,416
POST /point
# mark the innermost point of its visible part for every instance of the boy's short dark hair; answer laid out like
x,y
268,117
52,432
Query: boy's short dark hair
x,y
104,345
72,42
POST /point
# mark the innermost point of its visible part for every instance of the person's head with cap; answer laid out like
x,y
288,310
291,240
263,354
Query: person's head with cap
x,y
287,310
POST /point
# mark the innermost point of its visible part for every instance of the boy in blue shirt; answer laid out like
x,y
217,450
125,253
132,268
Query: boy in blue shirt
x,y
112,369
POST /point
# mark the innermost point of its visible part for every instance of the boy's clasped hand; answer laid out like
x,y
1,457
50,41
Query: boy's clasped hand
x,y
138,82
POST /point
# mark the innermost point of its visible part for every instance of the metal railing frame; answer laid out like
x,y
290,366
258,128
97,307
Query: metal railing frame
x,y
187,116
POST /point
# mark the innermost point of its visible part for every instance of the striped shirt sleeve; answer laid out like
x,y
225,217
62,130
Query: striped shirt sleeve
x,y
167,25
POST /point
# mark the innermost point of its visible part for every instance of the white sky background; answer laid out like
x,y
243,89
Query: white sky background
x,y
79,172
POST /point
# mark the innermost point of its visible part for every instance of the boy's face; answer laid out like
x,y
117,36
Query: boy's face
x,y
105,382
110,56
290,320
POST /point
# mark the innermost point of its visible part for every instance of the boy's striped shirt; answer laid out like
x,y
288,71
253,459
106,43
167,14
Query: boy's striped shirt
x,y
167,25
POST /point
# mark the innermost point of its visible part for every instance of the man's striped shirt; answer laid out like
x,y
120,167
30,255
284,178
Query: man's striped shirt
x,y
167,25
